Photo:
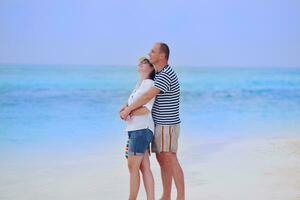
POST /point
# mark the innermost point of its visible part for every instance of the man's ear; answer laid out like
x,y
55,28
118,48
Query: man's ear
x,y
161,56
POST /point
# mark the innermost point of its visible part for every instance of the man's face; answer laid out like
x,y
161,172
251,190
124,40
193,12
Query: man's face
x,y
154,54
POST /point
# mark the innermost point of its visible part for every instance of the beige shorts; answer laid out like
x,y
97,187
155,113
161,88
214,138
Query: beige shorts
x,y
165,138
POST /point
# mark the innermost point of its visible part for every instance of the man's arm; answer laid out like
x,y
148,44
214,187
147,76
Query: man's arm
x,y
142,100
140,111
123,107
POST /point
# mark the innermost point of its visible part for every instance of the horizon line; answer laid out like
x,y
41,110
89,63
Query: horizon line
x,y
130,65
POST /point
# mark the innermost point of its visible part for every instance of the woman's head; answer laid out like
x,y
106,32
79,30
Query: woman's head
x,y
146,69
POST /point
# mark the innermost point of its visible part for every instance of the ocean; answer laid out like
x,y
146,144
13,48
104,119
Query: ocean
x,y
79,104
61,136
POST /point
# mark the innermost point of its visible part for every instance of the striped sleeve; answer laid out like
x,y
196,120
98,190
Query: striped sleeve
x,y
162,82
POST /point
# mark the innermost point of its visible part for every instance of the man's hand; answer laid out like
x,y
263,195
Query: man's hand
x,y
152,92
122,108
125,113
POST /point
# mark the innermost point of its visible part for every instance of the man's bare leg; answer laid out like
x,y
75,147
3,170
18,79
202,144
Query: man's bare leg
x,y
166,176
178,177
171,169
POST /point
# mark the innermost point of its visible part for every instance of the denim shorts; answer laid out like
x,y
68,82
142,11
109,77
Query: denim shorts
x,y
139,141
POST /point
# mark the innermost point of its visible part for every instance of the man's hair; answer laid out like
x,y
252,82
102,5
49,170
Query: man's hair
x,y
164,49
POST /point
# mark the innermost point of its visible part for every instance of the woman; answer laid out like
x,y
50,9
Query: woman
x,y
140,133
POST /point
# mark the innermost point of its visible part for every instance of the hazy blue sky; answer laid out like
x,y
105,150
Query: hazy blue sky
x,y
115,32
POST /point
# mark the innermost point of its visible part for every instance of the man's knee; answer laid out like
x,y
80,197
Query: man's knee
x,y
166,158
159,158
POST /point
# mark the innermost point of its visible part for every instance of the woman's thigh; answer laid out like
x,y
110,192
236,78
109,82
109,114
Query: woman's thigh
x,y
145,162
134,162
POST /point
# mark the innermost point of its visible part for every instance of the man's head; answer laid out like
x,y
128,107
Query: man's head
x,y
159,53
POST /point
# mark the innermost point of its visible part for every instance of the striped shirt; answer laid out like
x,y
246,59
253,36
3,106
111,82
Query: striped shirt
x,y
165,110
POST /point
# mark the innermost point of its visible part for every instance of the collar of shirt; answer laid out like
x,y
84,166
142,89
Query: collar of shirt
x,y
162,69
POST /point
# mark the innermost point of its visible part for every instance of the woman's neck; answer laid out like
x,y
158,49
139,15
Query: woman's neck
x,y
143,78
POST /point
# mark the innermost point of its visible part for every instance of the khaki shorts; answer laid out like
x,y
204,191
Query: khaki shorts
x,y
165,138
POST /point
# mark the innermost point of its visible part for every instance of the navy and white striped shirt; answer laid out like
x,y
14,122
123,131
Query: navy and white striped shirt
x,y
165,110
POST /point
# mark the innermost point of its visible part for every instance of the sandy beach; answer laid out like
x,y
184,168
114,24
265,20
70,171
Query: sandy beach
x,y
261,169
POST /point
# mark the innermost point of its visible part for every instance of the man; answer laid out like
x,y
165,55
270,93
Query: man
x,y
166,118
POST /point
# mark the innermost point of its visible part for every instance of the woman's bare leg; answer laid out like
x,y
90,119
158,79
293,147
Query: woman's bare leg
x,y
147,176
134,163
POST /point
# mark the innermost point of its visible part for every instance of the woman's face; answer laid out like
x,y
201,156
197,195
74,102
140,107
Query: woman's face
x,y
144,68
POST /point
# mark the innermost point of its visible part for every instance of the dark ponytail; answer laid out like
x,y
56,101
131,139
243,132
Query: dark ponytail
x,y
152,74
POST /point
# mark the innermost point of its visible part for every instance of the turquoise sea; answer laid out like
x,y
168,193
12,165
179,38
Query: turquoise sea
x,y
61,136
59,106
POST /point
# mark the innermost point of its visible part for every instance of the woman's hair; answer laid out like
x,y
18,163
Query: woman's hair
x,y
152,74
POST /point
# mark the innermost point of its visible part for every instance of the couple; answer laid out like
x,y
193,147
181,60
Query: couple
x,y
152,116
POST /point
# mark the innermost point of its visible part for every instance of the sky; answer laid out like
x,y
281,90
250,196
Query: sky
x,y
221,33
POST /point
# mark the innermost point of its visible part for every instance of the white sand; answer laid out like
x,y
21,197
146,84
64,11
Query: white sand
x,y
260,169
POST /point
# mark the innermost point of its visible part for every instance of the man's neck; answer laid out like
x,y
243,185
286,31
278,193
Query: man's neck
x,y
160,66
